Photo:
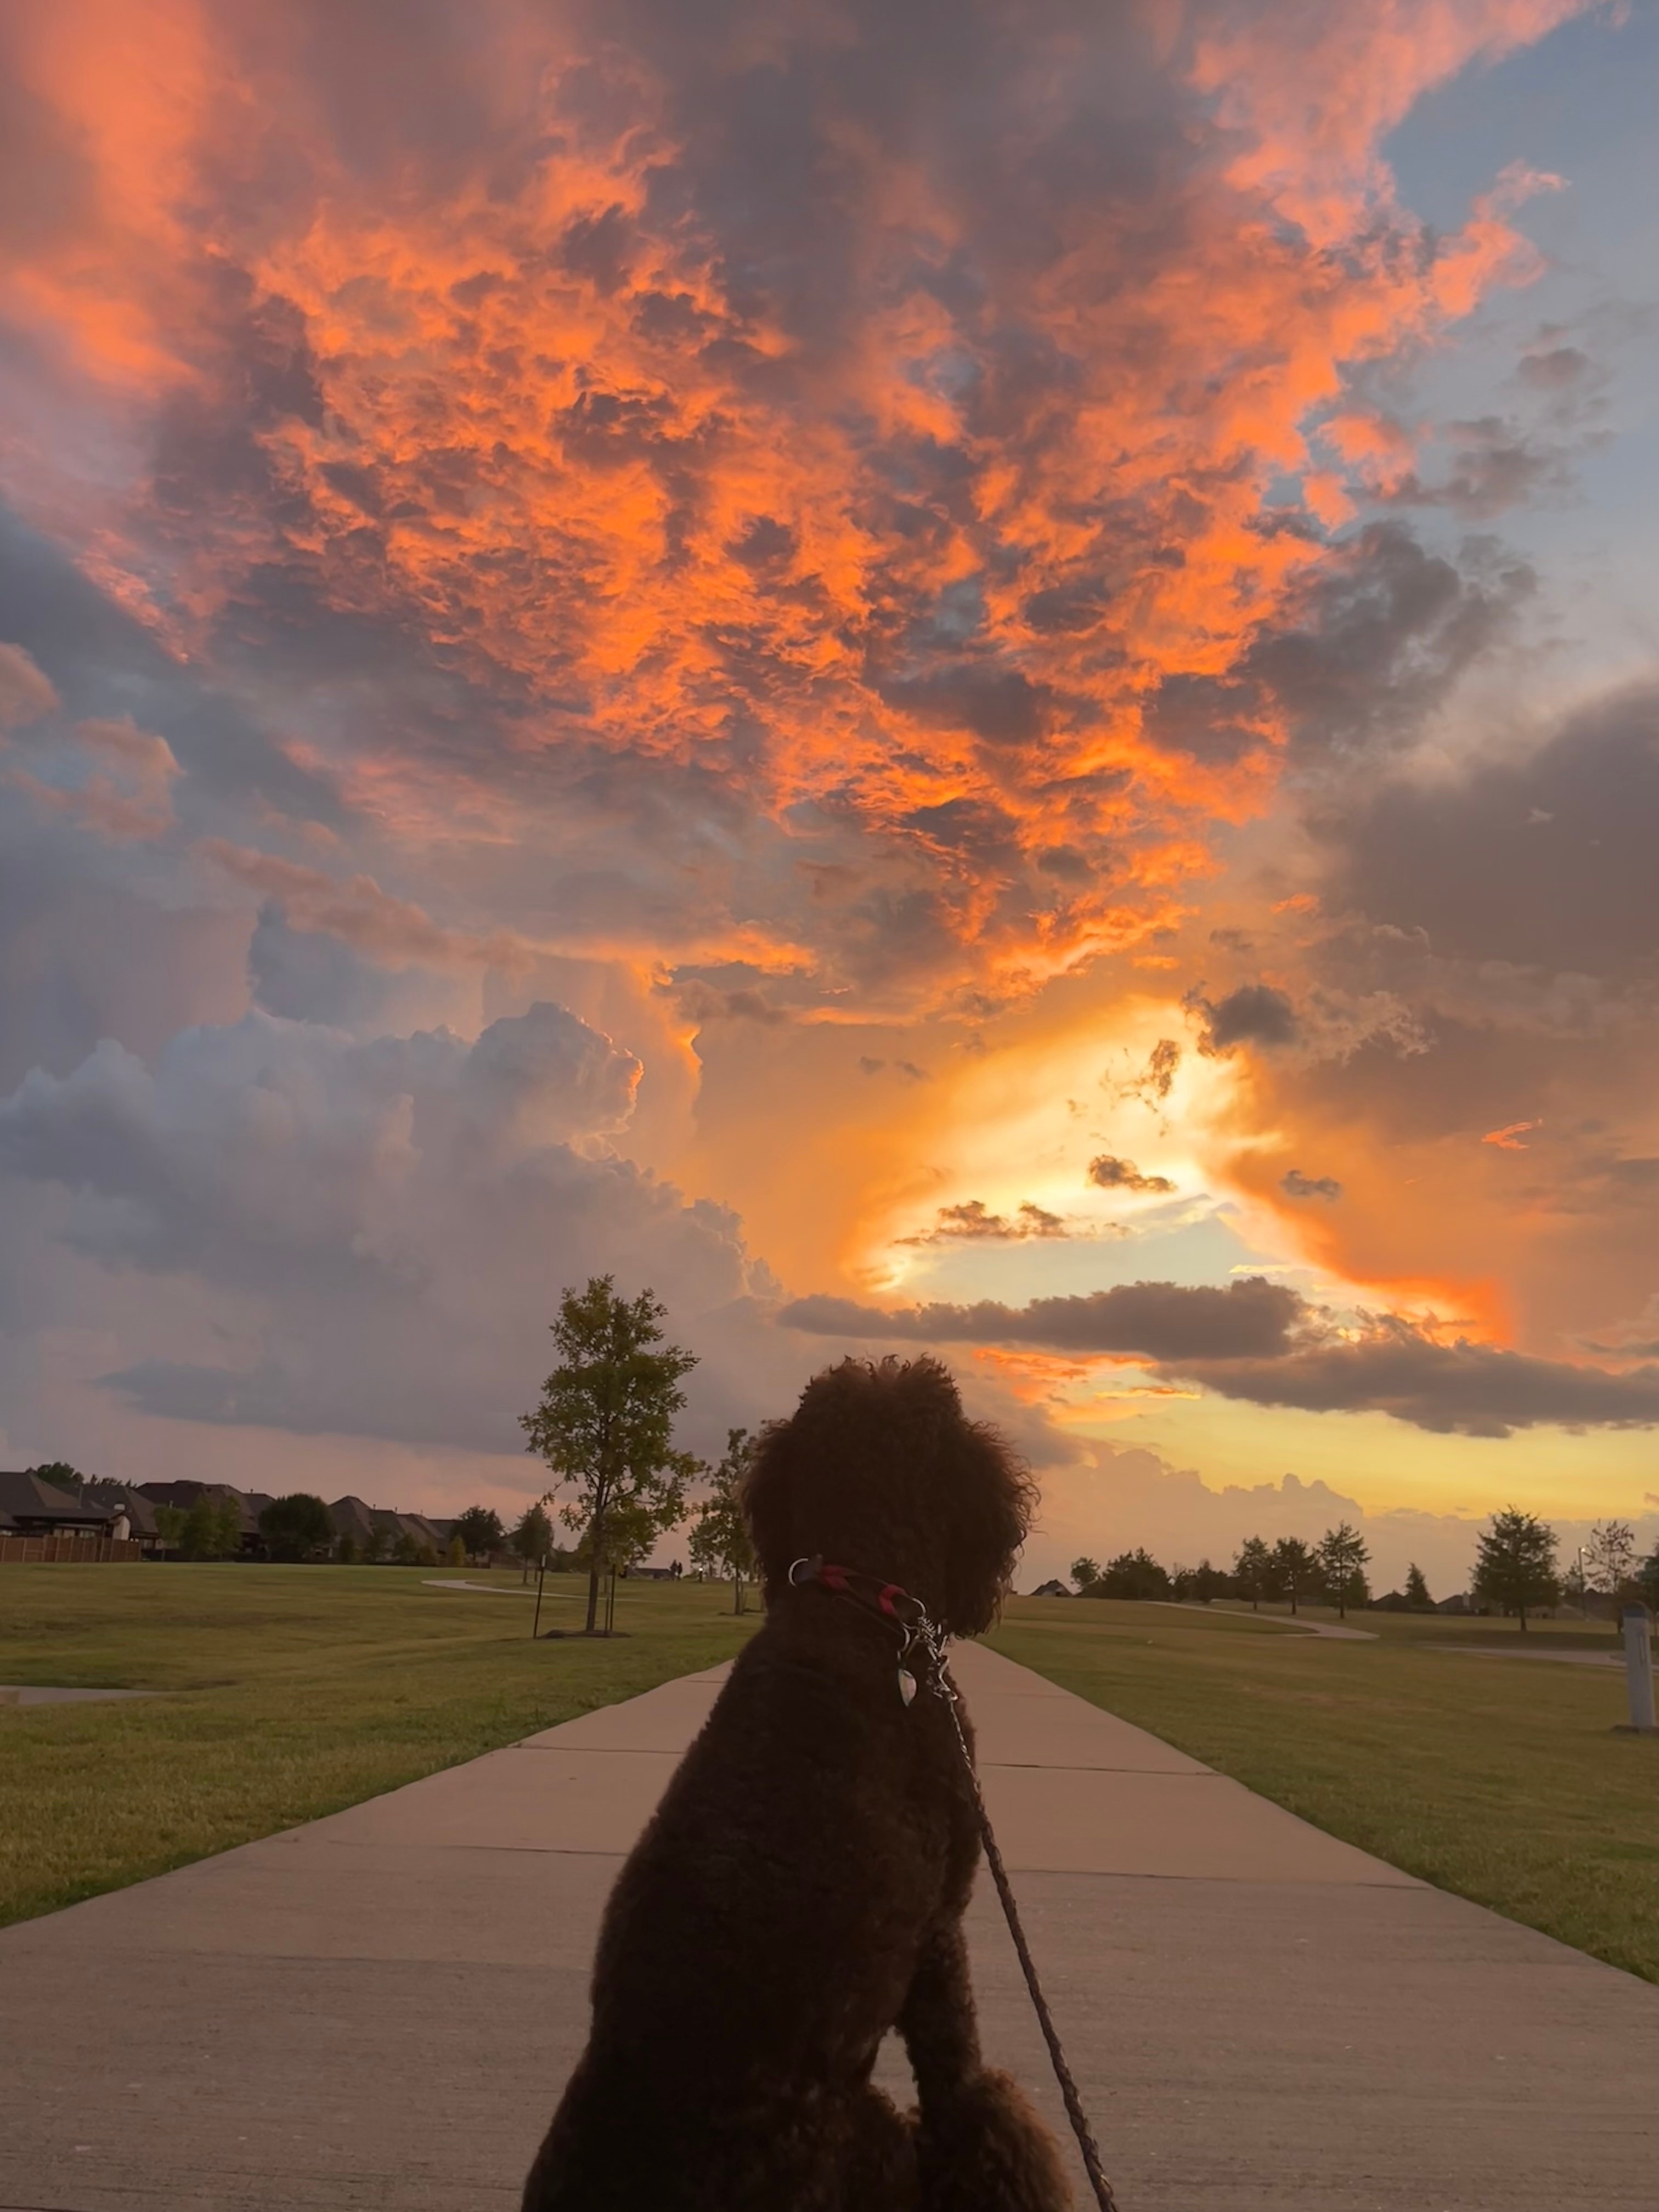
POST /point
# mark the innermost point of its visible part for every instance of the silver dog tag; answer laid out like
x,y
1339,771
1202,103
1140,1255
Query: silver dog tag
x,y
906,1683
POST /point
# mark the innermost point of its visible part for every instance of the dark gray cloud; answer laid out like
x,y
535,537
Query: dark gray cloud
x,y
1458,1389
1255,1013
1152,1083
1546,861
102,663
1389,630
1261,1342
1494,464
1109,1173
1159,1320
1295,1184
973,1222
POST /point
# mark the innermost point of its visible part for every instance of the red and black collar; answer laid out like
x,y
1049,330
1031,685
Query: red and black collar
x,y
889,1599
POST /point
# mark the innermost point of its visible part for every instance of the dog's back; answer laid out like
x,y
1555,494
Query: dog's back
x,y
762,1937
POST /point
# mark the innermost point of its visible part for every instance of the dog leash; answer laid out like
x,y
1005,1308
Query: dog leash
x,y
909,1616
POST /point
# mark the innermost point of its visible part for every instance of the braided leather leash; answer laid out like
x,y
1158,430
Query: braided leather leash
x,y
921,1633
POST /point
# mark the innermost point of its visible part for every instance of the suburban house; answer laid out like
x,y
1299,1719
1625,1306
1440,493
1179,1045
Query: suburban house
x,y
30,1507
378,1525
38,1519
140,1512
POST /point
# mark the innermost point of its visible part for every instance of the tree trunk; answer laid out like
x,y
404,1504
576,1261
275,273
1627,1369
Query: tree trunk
x,y
1523,1621
596,1538
1292,1601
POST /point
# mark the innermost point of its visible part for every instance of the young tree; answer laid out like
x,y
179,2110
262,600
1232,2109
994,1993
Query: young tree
x,y
632,1530
1084,1571
297,1527
199,1538
1609,1560
346,1549
375,1544
606,1422
1514,1563
480,1531
1417,1590
1342,1553
1210,1583
1295,1570
1253,1571
228,1534
719,1542
455,1552
533,1536
170,1526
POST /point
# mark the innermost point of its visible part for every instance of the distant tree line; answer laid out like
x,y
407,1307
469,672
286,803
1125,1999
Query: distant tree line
x,y
1330,1572
1515,1572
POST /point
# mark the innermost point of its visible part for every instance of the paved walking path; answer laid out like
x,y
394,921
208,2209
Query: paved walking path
x,y
376,2010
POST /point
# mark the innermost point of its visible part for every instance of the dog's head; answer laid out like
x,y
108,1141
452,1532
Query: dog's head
x,y
879,1469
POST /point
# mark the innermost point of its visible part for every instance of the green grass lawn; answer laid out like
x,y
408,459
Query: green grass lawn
x,y
1499,1778
291,1692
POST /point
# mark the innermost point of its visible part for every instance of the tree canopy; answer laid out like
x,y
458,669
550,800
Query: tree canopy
x,y
59,1474
605,1425
1253,1570
480,1531
1416,1588
1609,1560
1341,1554
1295,1570
1084,1571
532,1535
297,1527
1514,1563
1134,1574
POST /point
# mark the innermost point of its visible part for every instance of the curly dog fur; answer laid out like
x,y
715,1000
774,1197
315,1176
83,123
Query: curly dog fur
x,y
800,1890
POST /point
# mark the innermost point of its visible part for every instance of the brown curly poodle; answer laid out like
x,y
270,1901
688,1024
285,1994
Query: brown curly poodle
x,y
800,1889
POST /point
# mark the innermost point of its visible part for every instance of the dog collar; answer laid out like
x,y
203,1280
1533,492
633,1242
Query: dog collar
x,y
888,1601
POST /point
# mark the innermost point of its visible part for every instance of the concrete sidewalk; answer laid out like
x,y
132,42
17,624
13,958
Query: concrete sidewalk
x,y
376,2010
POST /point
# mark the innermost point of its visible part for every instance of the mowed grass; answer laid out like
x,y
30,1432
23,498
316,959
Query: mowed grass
x,y
1501,1779
289,1693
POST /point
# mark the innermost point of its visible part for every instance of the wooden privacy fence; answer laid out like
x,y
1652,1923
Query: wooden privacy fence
x,y
84,1551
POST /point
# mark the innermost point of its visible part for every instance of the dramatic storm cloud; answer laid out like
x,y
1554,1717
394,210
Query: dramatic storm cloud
x,y
1261,1341
383,1218
919,672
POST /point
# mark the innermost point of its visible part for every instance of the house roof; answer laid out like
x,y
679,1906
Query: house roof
x,y
175,1493
121,1497
26,1501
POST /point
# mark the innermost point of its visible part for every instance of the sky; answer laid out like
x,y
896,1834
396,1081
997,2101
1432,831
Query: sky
x,y
977,679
